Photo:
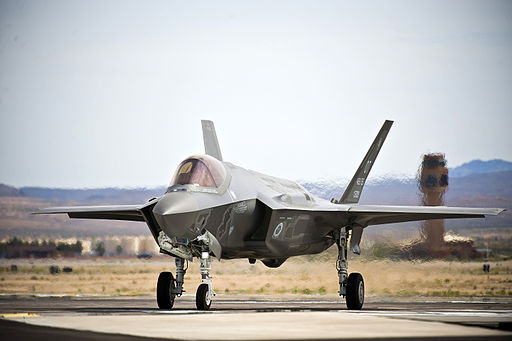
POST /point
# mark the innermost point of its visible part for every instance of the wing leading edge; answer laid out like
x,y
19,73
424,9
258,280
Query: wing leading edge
x,y
120,212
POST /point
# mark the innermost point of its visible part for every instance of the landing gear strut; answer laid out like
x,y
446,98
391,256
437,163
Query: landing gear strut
x,y
352,286
205,291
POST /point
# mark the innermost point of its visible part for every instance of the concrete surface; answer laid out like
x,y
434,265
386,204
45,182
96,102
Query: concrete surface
x,y
266,318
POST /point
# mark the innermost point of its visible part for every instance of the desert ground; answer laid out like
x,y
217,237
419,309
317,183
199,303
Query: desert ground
x,y
300,276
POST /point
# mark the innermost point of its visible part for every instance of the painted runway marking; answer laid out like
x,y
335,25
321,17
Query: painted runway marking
x,y
17,315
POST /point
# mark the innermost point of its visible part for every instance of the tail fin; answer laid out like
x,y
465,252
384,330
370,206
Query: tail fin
x,y
211,144
355,187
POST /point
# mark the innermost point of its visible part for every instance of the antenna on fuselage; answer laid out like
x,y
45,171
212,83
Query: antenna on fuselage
x,y
211,144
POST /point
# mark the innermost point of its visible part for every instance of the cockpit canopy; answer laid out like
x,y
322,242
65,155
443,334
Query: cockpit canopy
x,y
203,171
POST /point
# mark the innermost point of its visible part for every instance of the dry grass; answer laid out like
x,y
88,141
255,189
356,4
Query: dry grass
x,y
297,276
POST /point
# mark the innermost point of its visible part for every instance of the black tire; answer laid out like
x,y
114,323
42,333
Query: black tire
x,y
355,291
164,290
202,301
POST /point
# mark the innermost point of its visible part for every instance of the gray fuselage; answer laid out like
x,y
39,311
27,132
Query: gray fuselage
x,y
244,215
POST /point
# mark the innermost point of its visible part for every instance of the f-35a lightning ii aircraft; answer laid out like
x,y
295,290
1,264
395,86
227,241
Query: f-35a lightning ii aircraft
x,y
214,208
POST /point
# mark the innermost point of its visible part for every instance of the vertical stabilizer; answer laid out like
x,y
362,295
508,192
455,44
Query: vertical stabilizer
x,y
355,187
211,144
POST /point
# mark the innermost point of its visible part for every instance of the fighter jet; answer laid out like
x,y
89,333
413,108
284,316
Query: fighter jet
x,y
213,208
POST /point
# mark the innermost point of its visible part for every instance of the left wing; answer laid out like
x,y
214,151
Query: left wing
x,y
365,215
360,216
120,212
356,217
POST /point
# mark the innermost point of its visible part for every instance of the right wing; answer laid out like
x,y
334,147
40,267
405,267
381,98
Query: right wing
x,y
120,212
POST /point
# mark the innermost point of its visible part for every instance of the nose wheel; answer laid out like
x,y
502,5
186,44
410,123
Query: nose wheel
x,y
203,297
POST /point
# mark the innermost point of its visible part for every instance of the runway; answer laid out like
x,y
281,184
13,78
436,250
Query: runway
x,y
254,318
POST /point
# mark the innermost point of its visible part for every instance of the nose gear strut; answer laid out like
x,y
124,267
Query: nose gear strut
x,y
205,291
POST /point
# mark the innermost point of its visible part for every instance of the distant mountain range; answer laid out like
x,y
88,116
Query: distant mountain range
x,y
103,195
476,183
479,167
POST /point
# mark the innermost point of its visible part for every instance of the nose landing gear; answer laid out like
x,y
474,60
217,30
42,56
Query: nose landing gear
x,y
168,288
205,291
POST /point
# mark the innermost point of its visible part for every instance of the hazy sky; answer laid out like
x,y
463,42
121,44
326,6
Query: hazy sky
x,y
111,93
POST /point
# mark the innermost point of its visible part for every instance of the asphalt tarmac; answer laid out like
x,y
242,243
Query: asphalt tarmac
x,y
254,318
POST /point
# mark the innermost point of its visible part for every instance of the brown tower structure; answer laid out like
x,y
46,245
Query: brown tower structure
x,y
433,183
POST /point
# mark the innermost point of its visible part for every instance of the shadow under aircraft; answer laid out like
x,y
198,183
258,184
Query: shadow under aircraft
x,y
213,208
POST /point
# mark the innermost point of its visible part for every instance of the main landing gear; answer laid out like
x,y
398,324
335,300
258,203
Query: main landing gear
x,y
169,288
352,286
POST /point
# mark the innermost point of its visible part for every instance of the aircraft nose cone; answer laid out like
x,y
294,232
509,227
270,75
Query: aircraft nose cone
x,y
175,203
176,214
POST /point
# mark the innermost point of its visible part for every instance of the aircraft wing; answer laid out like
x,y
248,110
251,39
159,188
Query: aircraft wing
x,y
365,215
360,216
120,212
